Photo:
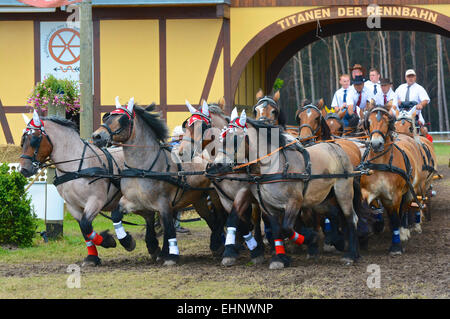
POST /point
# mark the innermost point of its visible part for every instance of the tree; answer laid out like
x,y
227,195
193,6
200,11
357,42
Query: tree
x,y
311,73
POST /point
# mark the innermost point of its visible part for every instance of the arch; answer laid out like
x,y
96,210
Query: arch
x,y
304,33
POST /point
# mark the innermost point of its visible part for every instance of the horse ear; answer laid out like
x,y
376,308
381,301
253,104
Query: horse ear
x,y
190,107
396,113
324,112
320,104
259,94
297,117
130,105
276,96
36,119
341,115
221,103
205,108
388,106
117,103
26,119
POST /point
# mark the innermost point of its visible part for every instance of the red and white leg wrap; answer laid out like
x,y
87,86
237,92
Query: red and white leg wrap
x,y
96,238
297,238
92,250
279,246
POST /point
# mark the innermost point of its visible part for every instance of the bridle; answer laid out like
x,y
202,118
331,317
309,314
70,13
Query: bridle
x,y
313,131
264,102
379,110
28,131
119,111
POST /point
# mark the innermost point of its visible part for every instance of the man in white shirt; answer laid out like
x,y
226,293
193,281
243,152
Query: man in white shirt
x,y
357,70
360,95
373,85
413,92
386,94
343,99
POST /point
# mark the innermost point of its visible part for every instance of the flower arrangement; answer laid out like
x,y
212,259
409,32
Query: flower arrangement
x,y
61,93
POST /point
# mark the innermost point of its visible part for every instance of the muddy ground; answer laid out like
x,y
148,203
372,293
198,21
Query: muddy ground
x,y
421,272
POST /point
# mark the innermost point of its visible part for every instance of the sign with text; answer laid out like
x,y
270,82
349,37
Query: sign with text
x,y
60,50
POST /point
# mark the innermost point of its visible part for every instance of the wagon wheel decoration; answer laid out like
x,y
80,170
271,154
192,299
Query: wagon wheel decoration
x,y
57,41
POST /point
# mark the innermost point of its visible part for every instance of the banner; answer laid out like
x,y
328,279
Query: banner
x,y
49,3
60,50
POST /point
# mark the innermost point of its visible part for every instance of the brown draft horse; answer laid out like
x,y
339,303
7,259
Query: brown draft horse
x,y
405,125
394,162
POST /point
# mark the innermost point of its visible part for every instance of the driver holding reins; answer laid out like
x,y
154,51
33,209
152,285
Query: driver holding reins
x,y
414,94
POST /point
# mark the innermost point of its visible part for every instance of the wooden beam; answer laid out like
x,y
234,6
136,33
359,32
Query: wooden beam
x,y
163,67
5,125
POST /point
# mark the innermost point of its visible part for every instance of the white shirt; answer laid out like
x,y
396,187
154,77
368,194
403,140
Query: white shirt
x,y
371,86
338,98
416,93
379,99
366,95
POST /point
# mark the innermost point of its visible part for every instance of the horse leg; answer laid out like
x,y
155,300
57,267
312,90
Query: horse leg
x,y
215,223
280,259
125,239
170,252
256,220
268,231
256,247
91,238
306,236
404,217
344,194
151,240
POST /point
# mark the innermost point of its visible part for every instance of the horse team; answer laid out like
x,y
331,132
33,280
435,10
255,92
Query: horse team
x,y
236,171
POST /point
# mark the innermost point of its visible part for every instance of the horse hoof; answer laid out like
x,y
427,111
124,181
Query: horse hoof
x,y
228,261
258,260
218,252
108,240
128,242
155,254
276,265
169,263
314,257
329,248
347,261
395,253
91,261
404,234
418,229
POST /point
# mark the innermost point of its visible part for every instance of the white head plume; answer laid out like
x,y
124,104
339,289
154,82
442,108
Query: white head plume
x,y
243,118
205,108
234,114
36,120
118,103
190,107
130,105
26,119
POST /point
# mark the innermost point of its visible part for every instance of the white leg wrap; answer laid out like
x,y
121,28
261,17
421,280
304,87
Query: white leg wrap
x,y
250,241
173,247
231,236
120,231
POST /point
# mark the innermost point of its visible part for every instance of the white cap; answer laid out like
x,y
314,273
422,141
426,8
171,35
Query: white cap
x,y
177,131
410,72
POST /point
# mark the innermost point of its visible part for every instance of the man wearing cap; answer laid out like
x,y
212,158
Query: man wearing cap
x,y
356,70
373,84
413,92
386,94
360,95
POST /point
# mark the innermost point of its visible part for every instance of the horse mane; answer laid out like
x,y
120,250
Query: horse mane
x,y
63,122
153,120
261,124
325,132
215,109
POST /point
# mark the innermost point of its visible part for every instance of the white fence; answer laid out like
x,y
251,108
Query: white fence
x,y
440,137
48,204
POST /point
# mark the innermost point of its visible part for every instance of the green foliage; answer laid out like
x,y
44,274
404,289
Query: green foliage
x,y
62,93
17,220
278,84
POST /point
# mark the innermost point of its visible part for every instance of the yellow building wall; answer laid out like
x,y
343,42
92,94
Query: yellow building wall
x,y
190,48
16,71
129,61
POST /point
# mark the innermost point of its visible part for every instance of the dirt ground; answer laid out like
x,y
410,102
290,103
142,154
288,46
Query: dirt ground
x,y
421,272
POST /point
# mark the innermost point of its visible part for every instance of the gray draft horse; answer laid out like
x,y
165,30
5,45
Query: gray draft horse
x,y
143,134
282,198
58,139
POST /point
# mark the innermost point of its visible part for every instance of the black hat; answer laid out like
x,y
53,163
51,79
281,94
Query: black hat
x,y
358,79
385,82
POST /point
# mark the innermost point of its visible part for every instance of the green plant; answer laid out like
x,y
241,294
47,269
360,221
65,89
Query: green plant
x,y
62,93
17,219
278,84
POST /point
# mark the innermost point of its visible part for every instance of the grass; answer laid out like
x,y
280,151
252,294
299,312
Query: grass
x,y
442,153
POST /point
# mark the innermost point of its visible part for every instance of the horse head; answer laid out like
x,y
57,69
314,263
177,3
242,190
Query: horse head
x,y
335,123
36,145
117,125
311,121
267,108
405,123
379,124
